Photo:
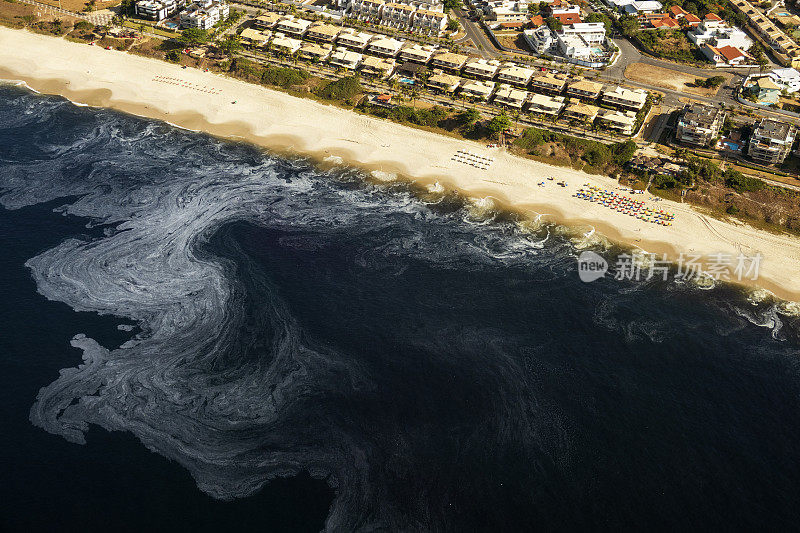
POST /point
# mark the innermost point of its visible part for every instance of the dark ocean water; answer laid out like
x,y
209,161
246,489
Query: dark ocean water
x,y
304,349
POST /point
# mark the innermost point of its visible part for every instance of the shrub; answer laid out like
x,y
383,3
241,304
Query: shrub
x,y
283,77
174,56
741,183
341,89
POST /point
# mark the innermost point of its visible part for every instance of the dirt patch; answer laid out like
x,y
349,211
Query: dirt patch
x,y
513,41
670,79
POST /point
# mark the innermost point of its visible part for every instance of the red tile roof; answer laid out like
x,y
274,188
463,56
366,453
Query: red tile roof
x,y
731,52
536,21
568,18
666,22
512,24
692,19
678,10
713,16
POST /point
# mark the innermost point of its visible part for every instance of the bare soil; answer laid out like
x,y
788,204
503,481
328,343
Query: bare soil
x,y
670,79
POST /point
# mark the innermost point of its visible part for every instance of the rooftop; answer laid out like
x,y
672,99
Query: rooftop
x,y
773,129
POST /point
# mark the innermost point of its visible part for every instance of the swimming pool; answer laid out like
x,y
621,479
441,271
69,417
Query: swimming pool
x,y
171,25
407,81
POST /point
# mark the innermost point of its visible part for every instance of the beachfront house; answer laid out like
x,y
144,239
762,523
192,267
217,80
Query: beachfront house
x,y
449,61
510,96
699,124
377,67
515,75
315,51
354,40
321,32
771,141
478,90
283,45
267,21
344,58
293,26
417,53
585,89
551,83
158,9
625,98
481,68
255,38
204,14
580,112
385,47
444,82
644,7
619,121
546,105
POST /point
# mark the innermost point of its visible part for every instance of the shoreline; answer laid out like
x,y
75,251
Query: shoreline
x,y
291,125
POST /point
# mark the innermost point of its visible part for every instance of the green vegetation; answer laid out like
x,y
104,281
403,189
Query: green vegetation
x,y
710,83
741,183
553,23
341,89
283,77
230,44
451,4
610,158
671,44
173,56
628,25
599,17
405,114
453,24
499,124
194,37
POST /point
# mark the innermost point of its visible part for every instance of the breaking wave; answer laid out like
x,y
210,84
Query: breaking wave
x,y
231,376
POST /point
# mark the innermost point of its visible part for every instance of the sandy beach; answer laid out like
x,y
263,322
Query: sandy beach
x,y
204,101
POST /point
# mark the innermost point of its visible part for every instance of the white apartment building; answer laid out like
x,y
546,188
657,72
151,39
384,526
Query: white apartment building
x,y
541,40
786,78
718,34
367,10
158,9
204,14
428,22
398,16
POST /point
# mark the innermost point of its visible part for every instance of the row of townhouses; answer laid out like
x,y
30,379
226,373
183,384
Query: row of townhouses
x,y
425,17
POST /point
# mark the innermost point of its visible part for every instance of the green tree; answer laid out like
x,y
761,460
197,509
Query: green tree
x,y
553,23
453,25
628,25
193,37
499,124
230,45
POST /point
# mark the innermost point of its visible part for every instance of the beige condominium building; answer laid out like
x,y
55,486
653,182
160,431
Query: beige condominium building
x,y
293,26
767,31
378,67
342,57
771,141
267,21
384,46
583,112
621,121
315,51
699,124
